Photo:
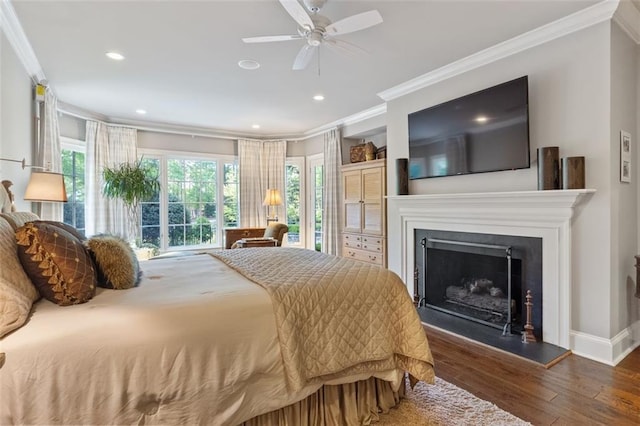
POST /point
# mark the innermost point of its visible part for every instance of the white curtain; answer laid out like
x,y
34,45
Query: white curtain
x,y
261,166
274,156
331,199
107,146
48,153
252,213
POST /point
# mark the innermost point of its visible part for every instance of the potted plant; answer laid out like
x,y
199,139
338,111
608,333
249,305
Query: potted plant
x,y
131,183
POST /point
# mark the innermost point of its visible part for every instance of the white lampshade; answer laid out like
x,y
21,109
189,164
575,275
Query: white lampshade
x,y
46,186
272,198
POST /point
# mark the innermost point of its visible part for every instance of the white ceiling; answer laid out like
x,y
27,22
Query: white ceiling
x,y
181,56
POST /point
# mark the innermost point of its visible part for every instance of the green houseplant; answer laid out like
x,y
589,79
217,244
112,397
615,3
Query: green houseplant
x,y
132,183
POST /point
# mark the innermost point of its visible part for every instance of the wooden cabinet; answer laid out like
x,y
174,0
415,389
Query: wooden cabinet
x,y
364,211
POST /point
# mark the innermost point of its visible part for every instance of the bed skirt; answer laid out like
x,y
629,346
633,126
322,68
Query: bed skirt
x,y
358,403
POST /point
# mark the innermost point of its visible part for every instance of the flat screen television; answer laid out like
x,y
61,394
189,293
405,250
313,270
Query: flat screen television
x,y
485,131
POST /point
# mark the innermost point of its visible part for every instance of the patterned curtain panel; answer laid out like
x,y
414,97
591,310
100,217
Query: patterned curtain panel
x,y
252,213
274,156
107,146
261,166
331,199
48,152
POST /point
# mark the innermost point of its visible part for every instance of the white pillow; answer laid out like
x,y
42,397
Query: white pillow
x,y
5,200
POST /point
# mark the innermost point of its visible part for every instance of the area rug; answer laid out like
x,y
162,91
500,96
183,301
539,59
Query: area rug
x,y
446,404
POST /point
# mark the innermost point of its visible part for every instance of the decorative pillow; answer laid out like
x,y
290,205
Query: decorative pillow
x,y
5,200
18,219
117,264
70,229
57,263
17,293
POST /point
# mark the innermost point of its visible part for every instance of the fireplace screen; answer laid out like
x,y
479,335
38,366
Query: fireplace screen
x,y
479,282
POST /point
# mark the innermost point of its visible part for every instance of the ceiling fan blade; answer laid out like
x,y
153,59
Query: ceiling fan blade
x,y
265,39
355,23
304,57
345,47
298,13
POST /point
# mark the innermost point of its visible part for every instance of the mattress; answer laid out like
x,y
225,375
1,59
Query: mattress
x,y
194,343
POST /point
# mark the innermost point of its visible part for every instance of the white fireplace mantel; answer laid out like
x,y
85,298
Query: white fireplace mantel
x,y
542,214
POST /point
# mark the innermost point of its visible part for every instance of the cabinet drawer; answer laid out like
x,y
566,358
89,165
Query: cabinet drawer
x,y
372,240
352,238
377,248
363,256
352,244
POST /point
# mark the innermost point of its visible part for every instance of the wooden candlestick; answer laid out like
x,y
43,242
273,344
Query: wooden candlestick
x,y
527,334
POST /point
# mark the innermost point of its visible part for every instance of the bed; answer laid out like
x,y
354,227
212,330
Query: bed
x,y
254,336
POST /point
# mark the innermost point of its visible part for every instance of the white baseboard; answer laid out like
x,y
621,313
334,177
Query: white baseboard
x,y
606,351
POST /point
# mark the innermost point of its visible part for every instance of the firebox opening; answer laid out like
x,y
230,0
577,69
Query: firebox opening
x,y
475,286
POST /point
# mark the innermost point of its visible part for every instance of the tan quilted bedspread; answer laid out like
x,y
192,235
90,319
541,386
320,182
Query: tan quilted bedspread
x,y
336,316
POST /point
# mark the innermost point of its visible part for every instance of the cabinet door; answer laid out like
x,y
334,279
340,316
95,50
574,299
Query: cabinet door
x,y
373,185
352,201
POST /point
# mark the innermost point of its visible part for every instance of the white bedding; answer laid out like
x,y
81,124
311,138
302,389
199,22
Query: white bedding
x,y
195,343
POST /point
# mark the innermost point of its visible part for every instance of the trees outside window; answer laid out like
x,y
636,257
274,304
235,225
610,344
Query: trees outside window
x,y
73,164
294,196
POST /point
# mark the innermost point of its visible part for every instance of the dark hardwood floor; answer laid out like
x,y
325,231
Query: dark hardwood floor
x,y
575,391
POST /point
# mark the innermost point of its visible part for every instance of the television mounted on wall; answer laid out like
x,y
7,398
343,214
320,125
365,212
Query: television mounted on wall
x,y
485,131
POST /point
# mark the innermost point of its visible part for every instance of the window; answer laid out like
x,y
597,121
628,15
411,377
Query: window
x,y
150,211
316,188
294,184
192,196
73,171
231,200
198,198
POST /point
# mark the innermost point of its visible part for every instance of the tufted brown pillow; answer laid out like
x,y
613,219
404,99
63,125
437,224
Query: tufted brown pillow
x,y
69,228
117,264
57,263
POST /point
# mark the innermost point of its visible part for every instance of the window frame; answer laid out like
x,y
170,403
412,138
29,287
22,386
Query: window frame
x,y
163,156
313,161
299,161
77,145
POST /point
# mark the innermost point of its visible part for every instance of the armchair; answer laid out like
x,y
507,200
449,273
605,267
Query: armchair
x,y
274,230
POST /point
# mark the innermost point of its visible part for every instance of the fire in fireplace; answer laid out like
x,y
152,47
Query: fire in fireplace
x,y
480,277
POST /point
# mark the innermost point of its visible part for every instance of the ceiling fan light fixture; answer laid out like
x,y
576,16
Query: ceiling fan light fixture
x,y
314,39
249,64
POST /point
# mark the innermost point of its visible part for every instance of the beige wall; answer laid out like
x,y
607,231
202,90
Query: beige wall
x,y
16,133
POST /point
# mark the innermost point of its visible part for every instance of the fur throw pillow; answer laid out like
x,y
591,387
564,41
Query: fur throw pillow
x,y
117,264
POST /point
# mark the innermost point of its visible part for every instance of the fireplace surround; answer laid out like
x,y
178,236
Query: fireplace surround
x,y
539,214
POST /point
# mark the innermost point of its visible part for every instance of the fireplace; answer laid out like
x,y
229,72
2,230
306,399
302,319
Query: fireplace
x,y
482,278
545,215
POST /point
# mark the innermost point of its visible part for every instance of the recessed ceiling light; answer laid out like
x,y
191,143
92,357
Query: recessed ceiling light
x,y
115,56
255,126
248,64
481,119
141,111
318,98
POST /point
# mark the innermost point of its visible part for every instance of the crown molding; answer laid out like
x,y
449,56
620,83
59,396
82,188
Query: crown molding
x,y
628,17
12,29
592,15
347,121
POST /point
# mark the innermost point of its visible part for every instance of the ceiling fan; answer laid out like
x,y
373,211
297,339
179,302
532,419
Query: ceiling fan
x,y
317,29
